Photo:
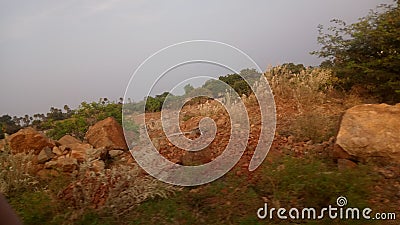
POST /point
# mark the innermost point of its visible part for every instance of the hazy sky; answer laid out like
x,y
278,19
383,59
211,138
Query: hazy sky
x,y
64,52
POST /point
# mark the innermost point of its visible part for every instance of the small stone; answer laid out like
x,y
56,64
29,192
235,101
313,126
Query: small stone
x,y
57,151
64,149
339,153
68,140
344,164
290,139
115,153
2,144
281,167
50,164
67,164
45,155
46,173
98,166
388,174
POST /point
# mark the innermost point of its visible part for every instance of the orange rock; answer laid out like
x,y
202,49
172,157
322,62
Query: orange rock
x,y
68,140
28,139
108,134
344,164
67,164
371,131
80,152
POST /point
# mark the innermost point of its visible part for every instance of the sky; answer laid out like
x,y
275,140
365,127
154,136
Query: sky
x,y
54,53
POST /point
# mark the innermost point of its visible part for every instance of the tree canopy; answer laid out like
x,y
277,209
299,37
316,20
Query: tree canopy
x,y
366,53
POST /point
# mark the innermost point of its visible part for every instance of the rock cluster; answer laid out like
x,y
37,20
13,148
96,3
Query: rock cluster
x,y
103,140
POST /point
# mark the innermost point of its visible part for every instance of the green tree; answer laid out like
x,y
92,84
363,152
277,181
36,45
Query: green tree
x,y
188,88
55,114
216,88
154,104
237,82
8,125
80,119
366,53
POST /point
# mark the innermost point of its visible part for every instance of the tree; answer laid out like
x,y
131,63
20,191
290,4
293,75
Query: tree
x,y
366,53
216,88
188,88
8,125
237,82
294,68
155,104
55,114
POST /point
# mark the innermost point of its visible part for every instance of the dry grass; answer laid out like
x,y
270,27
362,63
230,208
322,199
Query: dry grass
x,y
306,89
114,192
308,105
15,172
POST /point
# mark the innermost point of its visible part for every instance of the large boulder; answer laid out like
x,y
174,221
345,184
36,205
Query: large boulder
x,y
371,131
106,134
28,139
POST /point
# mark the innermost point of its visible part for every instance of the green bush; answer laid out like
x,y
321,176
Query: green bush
x,y
74,126
86,115
314,126
366,53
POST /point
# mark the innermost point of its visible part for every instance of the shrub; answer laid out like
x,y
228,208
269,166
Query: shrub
x,y
86,115
367,52
115,191
74,126
308,88
15,173
314,126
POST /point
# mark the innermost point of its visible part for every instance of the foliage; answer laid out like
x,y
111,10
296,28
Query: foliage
x,y
76,126
237,83
314,126
56,114
123,187
155,104
216,88
96,111
8,125
366,53
16,173
86,115
289,67
188,88
309,88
